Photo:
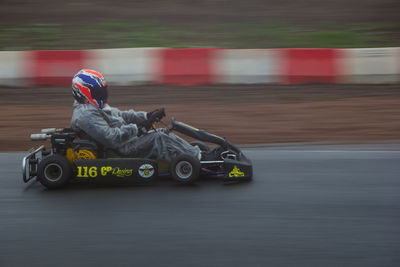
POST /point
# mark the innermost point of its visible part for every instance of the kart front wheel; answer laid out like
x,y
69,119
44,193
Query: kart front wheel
x,y
54,171
185,169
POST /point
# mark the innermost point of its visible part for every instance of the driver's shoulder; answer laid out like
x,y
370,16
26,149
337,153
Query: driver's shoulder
x,y
85,111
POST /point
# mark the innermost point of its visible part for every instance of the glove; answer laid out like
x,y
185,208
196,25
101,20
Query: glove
x,y
143,127
141,130
156,115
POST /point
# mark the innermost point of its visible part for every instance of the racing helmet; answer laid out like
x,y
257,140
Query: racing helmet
x,y
90,87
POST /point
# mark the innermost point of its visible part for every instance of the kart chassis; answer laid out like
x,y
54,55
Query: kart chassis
x,y
230,163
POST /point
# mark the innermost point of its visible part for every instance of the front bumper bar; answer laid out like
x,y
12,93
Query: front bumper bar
x,y
30,163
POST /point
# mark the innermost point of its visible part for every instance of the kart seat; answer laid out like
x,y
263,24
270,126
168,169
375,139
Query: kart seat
x,y
86,141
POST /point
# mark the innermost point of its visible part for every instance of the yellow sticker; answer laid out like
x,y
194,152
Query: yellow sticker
x,y
236,172
84,171
116,171
73,155
121,172
105,170
187,125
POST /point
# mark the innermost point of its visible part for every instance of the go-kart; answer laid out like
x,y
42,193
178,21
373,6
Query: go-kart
x,y
75,156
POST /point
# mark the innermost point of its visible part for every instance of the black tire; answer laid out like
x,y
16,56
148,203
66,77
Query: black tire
x,y
201,145
54,171
185,169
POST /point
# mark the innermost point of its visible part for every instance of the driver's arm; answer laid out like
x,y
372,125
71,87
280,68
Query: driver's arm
x,y
130,116
96,127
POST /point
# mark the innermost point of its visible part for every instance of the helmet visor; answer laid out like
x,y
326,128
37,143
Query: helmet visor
x,y
100,94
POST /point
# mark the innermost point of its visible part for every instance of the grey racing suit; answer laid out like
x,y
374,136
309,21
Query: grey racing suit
x,y
117,130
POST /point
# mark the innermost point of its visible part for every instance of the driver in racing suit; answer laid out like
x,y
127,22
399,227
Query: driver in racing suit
x,y
127,132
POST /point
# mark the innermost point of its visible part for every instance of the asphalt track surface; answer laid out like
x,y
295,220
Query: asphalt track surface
x,y
307,206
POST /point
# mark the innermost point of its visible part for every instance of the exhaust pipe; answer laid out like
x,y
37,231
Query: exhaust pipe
x,y
49,130
40,137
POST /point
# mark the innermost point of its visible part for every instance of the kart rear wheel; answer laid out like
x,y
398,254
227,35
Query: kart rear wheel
x,y
185,169
201,145
54,171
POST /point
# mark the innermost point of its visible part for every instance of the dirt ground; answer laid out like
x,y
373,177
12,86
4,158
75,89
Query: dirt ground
x,y
243,114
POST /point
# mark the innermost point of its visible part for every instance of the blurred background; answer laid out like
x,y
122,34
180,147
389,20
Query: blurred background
x,y
332,104
46,24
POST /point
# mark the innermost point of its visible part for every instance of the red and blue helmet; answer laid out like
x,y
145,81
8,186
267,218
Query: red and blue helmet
x,y
89,87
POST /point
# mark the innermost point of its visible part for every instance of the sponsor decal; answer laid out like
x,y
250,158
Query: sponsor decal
x,y
84,154
146,170
85,171
121,172
236,172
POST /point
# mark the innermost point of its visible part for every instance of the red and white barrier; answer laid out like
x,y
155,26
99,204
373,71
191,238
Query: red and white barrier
x,y
247,66
126,66
203,66
312,65
12,68
56,67
373,65
186,67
